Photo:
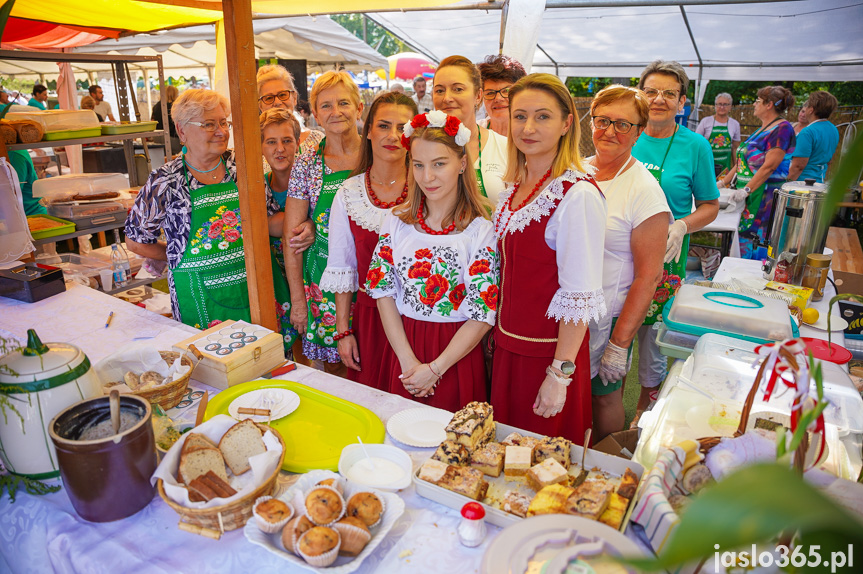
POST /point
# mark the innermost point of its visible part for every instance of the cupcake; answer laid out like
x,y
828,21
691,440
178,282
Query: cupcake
x,y
319,546
271,514
335,482
324,505
293,530
367,507
354,534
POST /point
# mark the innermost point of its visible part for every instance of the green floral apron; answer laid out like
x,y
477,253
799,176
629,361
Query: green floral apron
x,y
321,305
210,280
479,179
720,143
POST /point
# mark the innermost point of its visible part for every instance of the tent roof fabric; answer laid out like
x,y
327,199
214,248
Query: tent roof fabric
x,y
802,40
28,35
124,15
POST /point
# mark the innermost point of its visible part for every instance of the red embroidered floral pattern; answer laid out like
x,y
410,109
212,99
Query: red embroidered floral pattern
x,y
386,253
434,290
374,277
423,254
489,297
420,269
477,267
456,296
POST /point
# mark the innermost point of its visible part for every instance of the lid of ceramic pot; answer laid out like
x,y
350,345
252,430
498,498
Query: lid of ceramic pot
x,y
40,366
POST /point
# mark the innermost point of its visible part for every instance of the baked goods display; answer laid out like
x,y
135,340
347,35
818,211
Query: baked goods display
x,y
488,459
546,473
516,462
37,223
271,514
355,534
451,452
319,546
324,505
472,426
367,507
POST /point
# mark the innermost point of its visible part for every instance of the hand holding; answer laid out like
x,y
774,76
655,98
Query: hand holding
x,y
300,317
302,236
739,195
419,380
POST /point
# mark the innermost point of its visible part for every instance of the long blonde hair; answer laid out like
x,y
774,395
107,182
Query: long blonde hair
x,y
470,204
568,156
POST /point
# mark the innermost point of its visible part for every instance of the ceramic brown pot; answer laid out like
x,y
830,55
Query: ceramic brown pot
x,y
106,478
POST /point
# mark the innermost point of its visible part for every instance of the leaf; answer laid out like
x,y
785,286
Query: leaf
x,y
752,505
445,308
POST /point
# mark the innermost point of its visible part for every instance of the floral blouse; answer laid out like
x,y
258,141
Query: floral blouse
x,y
437,278
306,176
576,232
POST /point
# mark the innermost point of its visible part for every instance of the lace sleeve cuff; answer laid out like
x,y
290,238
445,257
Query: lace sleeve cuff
x,y
576,306
340,280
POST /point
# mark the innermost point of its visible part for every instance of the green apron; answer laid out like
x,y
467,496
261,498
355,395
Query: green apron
x,y
321,306
744,176
479,180
720,143
210,280
277,251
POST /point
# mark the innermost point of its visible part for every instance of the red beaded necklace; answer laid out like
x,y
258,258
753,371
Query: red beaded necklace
x,y
426,228
378,202
532,192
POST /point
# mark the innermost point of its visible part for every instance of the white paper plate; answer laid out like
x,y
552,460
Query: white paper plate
x,y
422,427
394,508
286,402
837,323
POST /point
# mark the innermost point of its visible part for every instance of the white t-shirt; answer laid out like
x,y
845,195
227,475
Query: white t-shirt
x,y
103,108
493,160
705,126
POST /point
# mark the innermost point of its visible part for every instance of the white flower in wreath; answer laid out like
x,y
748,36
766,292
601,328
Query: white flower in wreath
x,y
328,340
195,250
436,118
321,331
223,245
463,135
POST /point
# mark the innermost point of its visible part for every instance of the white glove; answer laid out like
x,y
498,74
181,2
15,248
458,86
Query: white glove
x,y
720,183
739,195
676,233
615,364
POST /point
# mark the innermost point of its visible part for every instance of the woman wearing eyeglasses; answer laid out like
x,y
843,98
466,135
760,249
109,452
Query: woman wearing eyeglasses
x,y
723,133
498,74
637,221
682,163
458,92
194,200
276,89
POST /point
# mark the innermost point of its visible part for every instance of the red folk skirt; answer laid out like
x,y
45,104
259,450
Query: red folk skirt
x,y
374,347
462,383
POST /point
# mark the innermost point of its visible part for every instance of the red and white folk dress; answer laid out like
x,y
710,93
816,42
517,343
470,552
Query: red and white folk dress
x,y
551,270
355,224
438,283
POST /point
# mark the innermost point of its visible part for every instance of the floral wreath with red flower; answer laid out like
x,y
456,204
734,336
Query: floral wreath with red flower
x,y
437,119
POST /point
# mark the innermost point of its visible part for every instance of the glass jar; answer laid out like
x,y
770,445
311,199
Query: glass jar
x,y
815,274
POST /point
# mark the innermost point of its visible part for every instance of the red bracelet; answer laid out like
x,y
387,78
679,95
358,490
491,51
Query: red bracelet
x,y
340,336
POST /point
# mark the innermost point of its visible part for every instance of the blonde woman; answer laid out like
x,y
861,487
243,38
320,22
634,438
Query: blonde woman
x,y
276,89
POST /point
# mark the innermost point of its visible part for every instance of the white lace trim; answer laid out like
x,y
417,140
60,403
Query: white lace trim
x,y
340,280
577,306
508,222
359,207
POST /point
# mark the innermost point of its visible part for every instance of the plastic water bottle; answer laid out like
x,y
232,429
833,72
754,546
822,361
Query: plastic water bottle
x,y
118,267
124,258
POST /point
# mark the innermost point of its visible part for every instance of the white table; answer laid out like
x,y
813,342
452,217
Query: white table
x,y
726,223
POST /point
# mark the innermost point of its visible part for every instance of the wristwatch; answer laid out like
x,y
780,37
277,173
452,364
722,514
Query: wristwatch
x,y
747,190
565,367
557,376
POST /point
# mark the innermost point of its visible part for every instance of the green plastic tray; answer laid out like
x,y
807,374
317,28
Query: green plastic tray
x,y
73,134
130,128
317,431
68,227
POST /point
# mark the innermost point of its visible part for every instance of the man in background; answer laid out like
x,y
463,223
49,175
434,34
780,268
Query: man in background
x,y
102,108
421,95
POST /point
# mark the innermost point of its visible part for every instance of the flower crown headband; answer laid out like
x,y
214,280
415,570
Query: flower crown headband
x,y
437,119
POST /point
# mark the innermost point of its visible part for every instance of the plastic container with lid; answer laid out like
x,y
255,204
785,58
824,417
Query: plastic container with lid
x,y
675,344
700,310
60,120
88,215
65,187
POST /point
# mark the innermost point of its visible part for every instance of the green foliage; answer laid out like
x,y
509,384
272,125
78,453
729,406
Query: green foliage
x,y
848,93
376,36
11,483
16,85
587,87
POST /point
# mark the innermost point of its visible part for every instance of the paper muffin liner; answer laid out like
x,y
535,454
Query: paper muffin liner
x,y
334,491
380,498
338,484
321,560
264,524
351,537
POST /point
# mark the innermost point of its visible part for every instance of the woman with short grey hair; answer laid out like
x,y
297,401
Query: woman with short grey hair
x,y
723,133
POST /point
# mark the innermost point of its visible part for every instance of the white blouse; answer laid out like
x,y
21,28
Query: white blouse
x,y
493,159
351,203
437,278
576,231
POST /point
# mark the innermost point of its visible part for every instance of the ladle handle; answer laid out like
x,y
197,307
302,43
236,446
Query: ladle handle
x,y
114,401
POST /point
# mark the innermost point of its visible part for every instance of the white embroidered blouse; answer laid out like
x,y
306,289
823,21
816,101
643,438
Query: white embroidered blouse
x,y
351,203
576,231
438,278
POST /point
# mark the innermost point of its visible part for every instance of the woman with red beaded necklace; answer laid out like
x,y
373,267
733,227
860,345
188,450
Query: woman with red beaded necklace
x,y
378,184
551,228
434,271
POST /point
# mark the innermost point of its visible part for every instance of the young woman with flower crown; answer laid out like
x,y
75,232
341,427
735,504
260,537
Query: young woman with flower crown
x,y
550,222
434,271
379,183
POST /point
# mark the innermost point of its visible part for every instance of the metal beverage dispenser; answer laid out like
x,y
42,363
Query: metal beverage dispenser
x,y
797,228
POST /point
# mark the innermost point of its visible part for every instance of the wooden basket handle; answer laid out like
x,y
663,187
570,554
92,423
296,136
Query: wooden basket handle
x,y
200,530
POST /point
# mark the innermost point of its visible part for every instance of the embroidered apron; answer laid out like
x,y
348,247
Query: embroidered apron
x,y
755,218
479,180
278,254
720,143
210,280
321,306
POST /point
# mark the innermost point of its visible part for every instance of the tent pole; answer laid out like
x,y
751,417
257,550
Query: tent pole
x,y
240,51
503,15
556,65
697,54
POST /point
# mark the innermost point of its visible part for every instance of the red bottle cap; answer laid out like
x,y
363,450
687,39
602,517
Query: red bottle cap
x,y
473,511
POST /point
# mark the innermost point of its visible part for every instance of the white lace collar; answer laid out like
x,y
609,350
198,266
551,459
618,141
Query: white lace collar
x,y
505,221
359,207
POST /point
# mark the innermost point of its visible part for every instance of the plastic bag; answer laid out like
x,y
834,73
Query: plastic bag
x,y
15,239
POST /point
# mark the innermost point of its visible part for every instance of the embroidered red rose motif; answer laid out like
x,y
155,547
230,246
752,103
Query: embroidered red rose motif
x,y
231,235
423,254
489,296
328,319
419,270
661,295
386,254
374,277
477,267
230,218
315,311
456,296
451,126
215,229
435,288
315,293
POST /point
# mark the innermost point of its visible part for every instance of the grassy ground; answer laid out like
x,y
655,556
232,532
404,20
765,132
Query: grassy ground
x,y
632,389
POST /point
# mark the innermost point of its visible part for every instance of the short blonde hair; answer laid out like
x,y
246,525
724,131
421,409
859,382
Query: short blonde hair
x,y
617,93
278,116
567,156
272,72
88,103
331,79
196,102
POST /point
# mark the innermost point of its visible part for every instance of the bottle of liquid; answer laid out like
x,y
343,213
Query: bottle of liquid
x,y
127,266
118,267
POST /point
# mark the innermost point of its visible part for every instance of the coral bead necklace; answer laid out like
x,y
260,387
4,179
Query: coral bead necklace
x,y
384,204
421,218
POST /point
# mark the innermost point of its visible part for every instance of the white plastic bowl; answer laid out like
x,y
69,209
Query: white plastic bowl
x,y
353,453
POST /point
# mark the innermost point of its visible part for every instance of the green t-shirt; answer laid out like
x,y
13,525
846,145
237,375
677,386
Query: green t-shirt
x,y
23,166
688,170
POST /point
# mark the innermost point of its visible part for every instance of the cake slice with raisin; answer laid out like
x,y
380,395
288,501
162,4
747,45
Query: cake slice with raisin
x,y
452,453
557,448
472,426
488,459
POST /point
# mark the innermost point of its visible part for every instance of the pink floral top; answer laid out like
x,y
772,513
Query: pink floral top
x,y
437,278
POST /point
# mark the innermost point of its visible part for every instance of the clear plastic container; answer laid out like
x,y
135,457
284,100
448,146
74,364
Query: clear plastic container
x,y
74,212
699,310
674,344
59,120
65,187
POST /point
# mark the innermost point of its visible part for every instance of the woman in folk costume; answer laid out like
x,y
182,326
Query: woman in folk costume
x,y
379,183
434,271
550,223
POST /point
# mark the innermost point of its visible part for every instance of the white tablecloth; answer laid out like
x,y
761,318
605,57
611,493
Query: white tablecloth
x,y
728,221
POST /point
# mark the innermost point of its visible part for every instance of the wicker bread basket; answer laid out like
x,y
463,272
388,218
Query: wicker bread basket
x,y
168,396
235,514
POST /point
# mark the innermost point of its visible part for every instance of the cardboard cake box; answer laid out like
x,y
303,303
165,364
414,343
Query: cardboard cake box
x,y
261,351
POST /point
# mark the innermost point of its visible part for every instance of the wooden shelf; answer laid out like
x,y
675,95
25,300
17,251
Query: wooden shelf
x,y
853,204
79,141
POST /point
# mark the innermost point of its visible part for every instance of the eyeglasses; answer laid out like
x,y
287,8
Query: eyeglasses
x,y
283,97
492,94
212,125
723,105
651,93
620,126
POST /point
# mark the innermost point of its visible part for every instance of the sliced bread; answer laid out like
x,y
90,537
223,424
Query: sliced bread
x,y
199,461
196,440
243,440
